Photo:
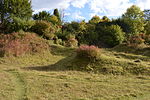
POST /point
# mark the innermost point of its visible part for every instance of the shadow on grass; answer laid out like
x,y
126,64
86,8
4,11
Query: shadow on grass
x,y
61,65
61,51
145,51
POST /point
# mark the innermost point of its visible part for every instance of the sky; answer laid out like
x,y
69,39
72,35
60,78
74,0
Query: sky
x,y
77,10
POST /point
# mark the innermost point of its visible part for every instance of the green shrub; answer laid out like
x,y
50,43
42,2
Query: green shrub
x,y
70,36
18,24
43,28
58,41
111,35
147,27
71,41
89,52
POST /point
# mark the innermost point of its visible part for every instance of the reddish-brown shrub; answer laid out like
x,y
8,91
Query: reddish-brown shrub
x,y
146,37
21,43
85,51
139,39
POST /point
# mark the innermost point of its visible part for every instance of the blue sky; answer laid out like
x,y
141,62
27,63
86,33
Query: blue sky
x,y
84,9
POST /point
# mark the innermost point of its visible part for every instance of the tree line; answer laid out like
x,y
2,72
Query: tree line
x,y
132,27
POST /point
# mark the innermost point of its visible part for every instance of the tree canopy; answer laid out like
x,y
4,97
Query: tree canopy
x,y
134,19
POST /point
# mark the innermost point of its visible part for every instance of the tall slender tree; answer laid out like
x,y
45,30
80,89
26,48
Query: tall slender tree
x,y
57,14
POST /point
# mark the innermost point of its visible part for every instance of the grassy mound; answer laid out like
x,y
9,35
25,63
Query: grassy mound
x,y
111,62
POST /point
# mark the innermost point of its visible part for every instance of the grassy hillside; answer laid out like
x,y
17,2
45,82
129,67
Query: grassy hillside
x,y
54,76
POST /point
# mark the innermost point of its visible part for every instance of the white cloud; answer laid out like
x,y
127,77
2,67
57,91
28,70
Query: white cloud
x,y
77,16
39,5
79,3
97,7
115,7
67,14
109,7
143,4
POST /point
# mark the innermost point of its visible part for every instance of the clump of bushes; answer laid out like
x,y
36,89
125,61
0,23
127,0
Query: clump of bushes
x,y
139,39
45,29
20,43
58,41
146,38
71,41
111,35
89,52
136,39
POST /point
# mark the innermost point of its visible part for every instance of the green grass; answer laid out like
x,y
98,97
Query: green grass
x,y
53,76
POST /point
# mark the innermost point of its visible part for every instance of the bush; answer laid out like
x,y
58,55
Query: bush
x,y
21,24
146,38
18,24
58,41
89,52
21,43
135,40
43,28
72,42
139,39
111,35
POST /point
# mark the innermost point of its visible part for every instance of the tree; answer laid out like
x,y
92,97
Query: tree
x,y
134,12
147,21
147,27
111,35
42,16
53,19
134,18
17,8
147,15
44,28
57,14
95,20
2,11
10,9
105,19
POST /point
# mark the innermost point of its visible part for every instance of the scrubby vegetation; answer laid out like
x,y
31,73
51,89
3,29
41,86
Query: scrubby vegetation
x,y
101,59
21,43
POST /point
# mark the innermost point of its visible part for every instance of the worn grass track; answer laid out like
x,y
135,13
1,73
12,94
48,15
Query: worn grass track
x,y
20,86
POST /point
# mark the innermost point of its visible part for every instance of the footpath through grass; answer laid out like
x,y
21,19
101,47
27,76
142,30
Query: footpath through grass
x,y
45,77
